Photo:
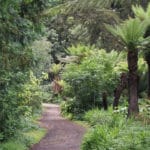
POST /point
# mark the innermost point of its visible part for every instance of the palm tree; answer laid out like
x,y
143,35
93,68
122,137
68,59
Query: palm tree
x,y
131,32
145,15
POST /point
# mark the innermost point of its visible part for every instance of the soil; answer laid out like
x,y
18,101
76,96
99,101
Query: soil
x,y
61,134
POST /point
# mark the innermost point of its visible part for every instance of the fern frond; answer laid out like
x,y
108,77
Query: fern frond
x,y
131,31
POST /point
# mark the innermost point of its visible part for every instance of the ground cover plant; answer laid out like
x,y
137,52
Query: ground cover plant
x,y
112,130
24,139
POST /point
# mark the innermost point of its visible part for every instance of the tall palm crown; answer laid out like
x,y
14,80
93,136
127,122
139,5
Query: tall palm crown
x,y
131,32
141,13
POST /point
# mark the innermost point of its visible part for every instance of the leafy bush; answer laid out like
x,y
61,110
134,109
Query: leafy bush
x,y
18,101
10,106
31,94
55,68
91,76
105,138
19,92
23,139
99,138
101,117
68,107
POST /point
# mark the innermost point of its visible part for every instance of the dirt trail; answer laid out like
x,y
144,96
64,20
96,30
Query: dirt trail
x,y
62,134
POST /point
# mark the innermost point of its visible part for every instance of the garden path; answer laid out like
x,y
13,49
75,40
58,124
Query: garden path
x,y
61,134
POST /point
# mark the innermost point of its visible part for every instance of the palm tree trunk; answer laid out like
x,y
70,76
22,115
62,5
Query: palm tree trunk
x,y
118,91
104,99
133,108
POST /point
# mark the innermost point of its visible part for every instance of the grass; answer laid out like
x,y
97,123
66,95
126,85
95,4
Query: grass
x,y
24,139
82,123
36,135
13,145
29,138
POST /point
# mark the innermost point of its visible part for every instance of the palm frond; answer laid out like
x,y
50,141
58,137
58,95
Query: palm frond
x,y
141,13
130,31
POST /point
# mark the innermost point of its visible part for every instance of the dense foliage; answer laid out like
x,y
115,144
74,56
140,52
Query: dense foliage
x,y
19,91
112,131
73,41
92,75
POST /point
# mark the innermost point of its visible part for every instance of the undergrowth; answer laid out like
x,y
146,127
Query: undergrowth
x,y
23,139
112,131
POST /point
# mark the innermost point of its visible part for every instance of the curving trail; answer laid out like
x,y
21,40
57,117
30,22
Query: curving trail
x,y
61,134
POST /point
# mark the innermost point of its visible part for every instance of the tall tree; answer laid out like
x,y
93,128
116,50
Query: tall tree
x,y
145,15
131,32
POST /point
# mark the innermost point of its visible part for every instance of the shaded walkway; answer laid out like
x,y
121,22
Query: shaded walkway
x,y
62,134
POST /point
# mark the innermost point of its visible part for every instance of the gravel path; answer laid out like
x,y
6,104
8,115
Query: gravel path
x,y
62,134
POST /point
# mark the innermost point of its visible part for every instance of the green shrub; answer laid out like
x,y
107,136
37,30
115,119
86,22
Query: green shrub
x,y
95,116
99,138
101,117
17,90
24,139
68,108
111,131
31,94
10,104
91,76
20,98
104,138
30,134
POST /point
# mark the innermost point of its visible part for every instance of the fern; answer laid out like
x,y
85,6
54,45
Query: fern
x,y
130,31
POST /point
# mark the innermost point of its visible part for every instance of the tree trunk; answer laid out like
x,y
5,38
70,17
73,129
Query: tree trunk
x,y
118,91
104,98
133,108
